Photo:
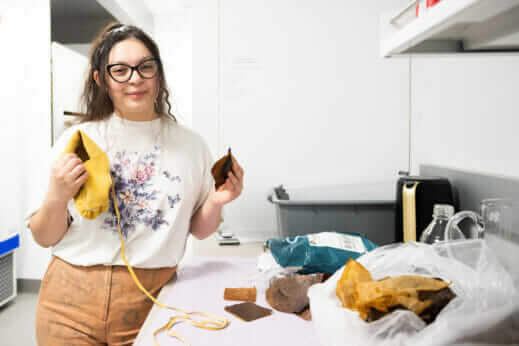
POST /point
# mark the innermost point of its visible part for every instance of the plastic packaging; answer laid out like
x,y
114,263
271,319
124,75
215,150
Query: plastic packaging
x,y
485,311
324,252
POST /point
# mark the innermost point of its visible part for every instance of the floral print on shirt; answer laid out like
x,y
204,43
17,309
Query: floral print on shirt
x,y
134,178
170,177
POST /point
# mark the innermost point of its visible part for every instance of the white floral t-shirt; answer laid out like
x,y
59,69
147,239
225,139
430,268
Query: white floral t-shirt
x,y
161,172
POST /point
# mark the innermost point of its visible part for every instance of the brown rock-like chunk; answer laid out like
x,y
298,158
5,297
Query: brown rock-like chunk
x,y
289,294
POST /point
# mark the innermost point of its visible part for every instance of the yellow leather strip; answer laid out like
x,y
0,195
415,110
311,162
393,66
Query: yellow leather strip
x,y
409,211
213,323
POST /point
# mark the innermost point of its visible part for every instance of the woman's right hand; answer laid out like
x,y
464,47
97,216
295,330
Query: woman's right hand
x,y
67,176
50,223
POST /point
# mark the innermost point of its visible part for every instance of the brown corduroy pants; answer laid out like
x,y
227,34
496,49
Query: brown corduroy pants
x,y
96,305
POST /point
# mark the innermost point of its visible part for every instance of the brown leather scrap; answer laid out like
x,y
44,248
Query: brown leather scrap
x,y
221,169
244,294
248,311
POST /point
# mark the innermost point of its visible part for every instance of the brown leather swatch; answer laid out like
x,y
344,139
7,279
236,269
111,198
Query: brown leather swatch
x,y
221,169
248,311
244,294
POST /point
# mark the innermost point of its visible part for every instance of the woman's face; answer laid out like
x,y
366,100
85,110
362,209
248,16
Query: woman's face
x,y
133,99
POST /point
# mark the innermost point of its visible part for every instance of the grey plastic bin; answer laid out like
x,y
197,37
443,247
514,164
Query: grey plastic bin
x,y
362,208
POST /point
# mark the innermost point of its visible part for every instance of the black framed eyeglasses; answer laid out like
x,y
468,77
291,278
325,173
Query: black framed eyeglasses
x,y
122,73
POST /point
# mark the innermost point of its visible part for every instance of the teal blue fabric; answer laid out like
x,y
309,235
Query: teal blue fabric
x,y
297,252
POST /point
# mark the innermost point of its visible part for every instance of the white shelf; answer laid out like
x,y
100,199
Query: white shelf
x,y
454,25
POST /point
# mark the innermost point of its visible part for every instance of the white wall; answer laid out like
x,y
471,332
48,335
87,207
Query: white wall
x,y
466,112
302,97
25,133
173,34
205,70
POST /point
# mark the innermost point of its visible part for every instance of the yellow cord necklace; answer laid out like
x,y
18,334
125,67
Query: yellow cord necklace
x,y
213,323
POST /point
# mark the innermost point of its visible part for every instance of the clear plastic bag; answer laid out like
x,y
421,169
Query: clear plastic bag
x,y
485,311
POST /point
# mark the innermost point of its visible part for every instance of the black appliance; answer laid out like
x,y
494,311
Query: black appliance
x,y
415,199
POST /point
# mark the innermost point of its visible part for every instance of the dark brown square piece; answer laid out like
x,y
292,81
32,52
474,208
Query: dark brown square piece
x,y
248,311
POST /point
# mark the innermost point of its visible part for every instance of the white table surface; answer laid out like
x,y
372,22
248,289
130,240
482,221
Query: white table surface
x,y
199,286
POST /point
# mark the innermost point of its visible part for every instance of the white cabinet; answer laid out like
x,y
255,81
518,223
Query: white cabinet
x,y
69,70
452,25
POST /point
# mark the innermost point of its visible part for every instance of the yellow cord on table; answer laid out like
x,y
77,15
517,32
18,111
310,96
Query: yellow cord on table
x,y
215,324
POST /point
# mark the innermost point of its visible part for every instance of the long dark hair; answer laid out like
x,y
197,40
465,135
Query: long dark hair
x,y
97,104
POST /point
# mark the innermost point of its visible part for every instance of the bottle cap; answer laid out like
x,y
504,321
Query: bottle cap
x,y
443,210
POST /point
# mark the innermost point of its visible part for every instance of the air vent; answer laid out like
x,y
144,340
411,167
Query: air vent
x,y
7,278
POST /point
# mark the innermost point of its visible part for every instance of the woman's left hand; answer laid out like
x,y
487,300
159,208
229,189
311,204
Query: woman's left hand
x,y
232,187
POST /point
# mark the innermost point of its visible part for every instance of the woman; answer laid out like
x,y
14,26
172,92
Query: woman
x,y
164,192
